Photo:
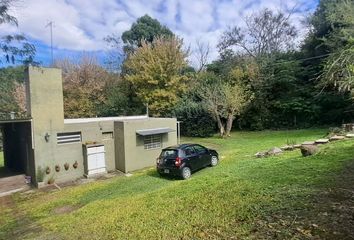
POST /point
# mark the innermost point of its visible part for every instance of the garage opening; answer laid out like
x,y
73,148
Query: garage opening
x,y
16,153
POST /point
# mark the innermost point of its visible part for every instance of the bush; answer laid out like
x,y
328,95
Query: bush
x,y
195,119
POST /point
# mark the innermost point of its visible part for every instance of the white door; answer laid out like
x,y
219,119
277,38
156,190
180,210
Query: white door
x,y
96,162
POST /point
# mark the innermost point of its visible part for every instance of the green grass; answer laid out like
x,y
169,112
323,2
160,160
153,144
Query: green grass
x,y
238,198
1,159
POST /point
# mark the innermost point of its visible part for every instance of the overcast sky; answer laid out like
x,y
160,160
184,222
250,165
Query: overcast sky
x,y
81,25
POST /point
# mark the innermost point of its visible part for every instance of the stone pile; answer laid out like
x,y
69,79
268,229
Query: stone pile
x,y
307,148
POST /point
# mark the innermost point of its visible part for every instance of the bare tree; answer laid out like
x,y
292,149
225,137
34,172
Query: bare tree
x,y
201,54
265,33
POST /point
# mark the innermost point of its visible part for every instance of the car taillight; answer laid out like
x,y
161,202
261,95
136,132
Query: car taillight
x,y
178,161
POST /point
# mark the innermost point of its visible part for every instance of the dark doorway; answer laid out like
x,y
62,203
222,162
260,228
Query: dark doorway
x,y
17,152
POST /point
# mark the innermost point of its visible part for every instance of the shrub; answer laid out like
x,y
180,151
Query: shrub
x,y
195,119
40,174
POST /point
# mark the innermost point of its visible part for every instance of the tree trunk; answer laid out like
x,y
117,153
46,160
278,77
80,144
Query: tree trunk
x,y
230,119
220,126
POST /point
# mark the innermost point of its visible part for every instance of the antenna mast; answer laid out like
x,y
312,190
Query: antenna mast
x,y
50,24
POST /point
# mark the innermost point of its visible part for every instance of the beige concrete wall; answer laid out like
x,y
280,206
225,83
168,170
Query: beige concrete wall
x,y
119,145
45,104
125,151
92,132
135,156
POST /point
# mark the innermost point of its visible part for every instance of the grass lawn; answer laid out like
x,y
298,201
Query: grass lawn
x,y
286,196
1,159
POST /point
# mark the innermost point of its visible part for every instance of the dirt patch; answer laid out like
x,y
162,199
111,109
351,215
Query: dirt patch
x,y
327,214
65,209
6,202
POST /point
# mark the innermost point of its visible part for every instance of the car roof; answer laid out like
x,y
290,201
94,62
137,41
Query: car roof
x,y
181,146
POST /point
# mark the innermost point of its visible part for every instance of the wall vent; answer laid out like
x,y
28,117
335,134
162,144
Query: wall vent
x,y
69,137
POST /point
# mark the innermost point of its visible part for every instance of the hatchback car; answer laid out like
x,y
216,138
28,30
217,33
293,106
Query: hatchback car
x,y
182,160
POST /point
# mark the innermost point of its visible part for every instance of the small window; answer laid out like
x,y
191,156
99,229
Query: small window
x,y
69,137
152,141
107,135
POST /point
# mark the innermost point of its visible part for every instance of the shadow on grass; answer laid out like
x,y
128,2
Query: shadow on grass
x,y
155,174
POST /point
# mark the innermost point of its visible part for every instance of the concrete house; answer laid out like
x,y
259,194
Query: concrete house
x,y
46,146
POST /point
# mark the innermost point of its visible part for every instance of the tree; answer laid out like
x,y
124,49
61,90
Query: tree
x,y
223,100
12,92
201,54
194,117
332,25
155,72
83,86
339,69
121,99
265,33
330,29
144,29
14,46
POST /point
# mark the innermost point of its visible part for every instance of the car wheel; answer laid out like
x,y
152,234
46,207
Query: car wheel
x,y
214,161
186,172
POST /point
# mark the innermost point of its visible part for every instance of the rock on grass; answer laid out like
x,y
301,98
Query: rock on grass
x,y
308,150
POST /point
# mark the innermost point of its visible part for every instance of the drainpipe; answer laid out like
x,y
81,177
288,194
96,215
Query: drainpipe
x,y
179,132
147,109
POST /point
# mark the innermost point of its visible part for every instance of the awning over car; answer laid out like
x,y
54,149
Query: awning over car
x,y
153,131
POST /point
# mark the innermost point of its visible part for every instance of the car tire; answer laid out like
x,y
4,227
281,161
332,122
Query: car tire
x,y
214,161
186,173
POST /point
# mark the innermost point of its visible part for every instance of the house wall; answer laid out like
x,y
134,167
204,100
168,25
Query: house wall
x,y
135,156
91,132
119,145
45,106
124,148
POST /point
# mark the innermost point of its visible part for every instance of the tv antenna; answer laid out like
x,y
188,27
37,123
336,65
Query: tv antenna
x,y
50,25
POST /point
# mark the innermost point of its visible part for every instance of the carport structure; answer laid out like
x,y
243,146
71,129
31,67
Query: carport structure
x,y
18,154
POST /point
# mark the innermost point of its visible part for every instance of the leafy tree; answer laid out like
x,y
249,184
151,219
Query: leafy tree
x,y
194,117
12,91
121,99
144,29
332,25
155,72
331,28
339,70
83,86
14,46
223,100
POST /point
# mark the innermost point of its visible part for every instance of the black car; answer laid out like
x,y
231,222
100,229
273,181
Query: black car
x,y
182,160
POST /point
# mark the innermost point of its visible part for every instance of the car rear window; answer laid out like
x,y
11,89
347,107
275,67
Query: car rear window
x,y
169,153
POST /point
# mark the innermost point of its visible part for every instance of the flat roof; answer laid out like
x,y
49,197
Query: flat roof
x,y
15,120
101,119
